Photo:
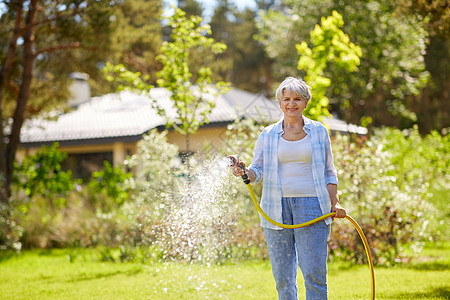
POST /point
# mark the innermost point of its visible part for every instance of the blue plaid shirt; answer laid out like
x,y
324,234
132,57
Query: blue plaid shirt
x,y
265,162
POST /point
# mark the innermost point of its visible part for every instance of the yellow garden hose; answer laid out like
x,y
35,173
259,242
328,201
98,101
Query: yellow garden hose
x,y
355,224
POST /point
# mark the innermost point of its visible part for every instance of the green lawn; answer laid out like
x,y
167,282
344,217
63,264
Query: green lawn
x,y
50,275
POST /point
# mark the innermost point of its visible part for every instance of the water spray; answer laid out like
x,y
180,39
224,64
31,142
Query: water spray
x,y
234,162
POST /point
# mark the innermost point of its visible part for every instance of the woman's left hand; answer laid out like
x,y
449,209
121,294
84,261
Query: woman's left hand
x,y
339,210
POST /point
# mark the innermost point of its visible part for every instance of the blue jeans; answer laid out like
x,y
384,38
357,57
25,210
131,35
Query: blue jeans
x,y
308,245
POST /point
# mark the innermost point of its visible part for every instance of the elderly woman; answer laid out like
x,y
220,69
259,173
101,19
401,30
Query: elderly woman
x,y
293,158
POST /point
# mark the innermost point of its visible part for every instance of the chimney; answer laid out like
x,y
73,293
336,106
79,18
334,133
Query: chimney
x,y
80,89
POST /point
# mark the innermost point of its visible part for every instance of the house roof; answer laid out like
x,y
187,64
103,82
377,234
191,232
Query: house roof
x,y
128,114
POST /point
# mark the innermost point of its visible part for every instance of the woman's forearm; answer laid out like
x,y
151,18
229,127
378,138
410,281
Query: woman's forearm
x,y
335,206
251,174
333,193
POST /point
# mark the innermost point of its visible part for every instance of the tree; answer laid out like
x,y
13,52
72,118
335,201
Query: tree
x,y
191,7
191,106
39,39
432,105
192,109
136,38
244,63
435,13
222,31
191,89
42,42
331,45
392,65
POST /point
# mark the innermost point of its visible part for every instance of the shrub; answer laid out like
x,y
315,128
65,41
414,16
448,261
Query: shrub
x,y
156,165
41,175
196,214
47,211
385,185
38,183
108,189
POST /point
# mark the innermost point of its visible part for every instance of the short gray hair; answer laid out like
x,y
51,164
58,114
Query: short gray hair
x,y
296,85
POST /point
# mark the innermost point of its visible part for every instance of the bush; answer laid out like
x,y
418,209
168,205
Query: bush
x,y
108,188
51,209
155,164
41,175
385,185
195,211
38,183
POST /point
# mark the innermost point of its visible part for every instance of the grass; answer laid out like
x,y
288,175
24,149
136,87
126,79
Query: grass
x,y
52,275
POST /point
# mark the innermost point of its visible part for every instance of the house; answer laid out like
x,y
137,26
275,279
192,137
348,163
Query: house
x,y
109,126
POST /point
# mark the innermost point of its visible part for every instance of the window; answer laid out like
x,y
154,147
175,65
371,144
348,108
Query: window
x,y
83,165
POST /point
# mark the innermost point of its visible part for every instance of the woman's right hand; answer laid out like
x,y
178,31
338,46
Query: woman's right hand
x,y
237,171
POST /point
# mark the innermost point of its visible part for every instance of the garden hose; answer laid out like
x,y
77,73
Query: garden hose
x,y
235,161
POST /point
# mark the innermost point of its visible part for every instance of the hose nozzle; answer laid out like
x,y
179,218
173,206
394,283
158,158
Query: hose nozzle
x,y
234,162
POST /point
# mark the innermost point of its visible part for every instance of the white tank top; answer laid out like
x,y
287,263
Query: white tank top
x,y
295,168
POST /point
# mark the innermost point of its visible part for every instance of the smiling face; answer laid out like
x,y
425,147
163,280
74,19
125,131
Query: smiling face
x,y
292,104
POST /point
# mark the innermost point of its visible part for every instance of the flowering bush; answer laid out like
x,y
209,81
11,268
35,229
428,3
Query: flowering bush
x,y
193,211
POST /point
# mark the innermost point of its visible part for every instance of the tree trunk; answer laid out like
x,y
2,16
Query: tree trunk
x,y
24,93
4,77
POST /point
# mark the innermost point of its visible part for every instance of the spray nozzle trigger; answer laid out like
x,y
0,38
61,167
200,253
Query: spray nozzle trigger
x,y
233,160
